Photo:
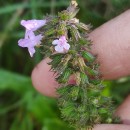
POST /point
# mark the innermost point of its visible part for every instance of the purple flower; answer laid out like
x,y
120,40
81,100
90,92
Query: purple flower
x,y
61,45
33,25
30,41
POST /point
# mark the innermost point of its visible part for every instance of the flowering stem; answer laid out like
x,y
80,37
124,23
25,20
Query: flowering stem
x,y
81,102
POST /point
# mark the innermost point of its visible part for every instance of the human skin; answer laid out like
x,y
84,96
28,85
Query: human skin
x,y
111,42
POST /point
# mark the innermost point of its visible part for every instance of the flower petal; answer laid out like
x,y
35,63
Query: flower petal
x,y
63,39
27,24
31,51
37,40
55,42
29,34
59,49
67,46
33,24
24,42
23,22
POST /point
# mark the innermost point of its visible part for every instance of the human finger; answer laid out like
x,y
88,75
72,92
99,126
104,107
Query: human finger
x,y
111,127
111,42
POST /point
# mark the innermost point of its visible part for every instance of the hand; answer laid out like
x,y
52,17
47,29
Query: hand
x,y
111,42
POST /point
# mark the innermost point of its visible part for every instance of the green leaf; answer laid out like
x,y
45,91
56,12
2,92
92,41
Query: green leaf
x,y
64,77
102,111
92,71
84,78
9,80
83,26
88,56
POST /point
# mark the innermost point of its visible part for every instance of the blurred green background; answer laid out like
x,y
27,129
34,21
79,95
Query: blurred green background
x,y
21,106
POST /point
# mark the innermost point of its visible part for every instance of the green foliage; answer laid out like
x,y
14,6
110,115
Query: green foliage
x,y
21,107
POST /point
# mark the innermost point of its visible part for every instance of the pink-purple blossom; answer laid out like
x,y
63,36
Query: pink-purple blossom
x,y
33,25
61,45
31,40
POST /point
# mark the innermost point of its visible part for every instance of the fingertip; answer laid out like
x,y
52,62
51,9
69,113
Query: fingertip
x,y
43,79
123,111
111,127
111,43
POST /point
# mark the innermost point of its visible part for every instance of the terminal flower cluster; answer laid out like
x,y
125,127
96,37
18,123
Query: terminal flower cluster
x,y
31,40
